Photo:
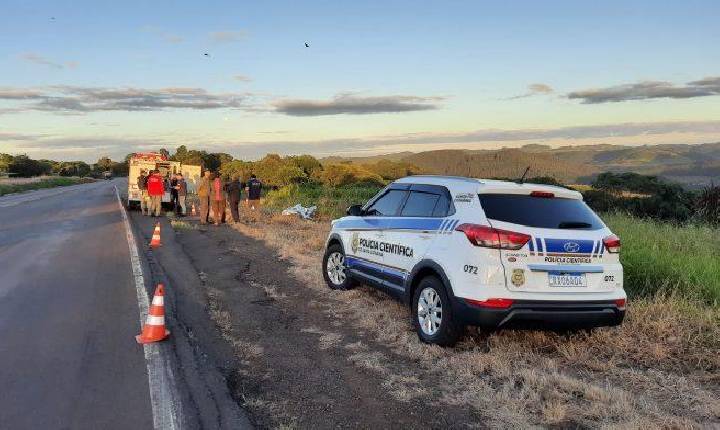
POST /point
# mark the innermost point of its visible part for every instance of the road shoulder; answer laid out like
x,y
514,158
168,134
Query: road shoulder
x,y
201,378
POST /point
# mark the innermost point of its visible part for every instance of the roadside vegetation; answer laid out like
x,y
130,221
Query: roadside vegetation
x,y
9,186
670,260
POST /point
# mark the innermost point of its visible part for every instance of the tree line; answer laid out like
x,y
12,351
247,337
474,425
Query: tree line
x,y
24,166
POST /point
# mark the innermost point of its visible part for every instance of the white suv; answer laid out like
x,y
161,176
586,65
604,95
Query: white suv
x,y
464,251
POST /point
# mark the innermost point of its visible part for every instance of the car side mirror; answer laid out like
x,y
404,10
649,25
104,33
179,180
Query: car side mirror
x,y
355,210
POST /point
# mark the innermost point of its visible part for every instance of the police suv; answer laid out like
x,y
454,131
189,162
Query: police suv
x,y
464,251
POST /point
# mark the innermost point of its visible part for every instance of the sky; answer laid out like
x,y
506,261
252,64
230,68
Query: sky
x,y
84,79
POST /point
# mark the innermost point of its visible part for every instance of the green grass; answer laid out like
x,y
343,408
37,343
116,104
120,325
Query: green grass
x,y
663,258
331,201
44,183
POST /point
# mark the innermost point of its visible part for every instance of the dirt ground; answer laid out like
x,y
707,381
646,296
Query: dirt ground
x,y
307,356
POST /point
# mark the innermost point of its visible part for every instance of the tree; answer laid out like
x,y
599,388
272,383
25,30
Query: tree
x,y
392,170
73,168
237,169
180,153
309,164
349,174
5,161
104,164
24,166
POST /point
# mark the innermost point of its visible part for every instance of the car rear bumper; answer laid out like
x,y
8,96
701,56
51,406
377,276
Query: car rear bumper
x,y
570,314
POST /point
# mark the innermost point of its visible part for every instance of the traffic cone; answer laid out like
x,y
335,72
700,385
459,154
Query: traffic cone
x,y
154,329
155,241
193,210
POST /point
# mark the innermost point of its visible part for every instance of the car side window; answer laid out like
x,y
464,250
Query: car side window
x,y
388,204
443,207
420,204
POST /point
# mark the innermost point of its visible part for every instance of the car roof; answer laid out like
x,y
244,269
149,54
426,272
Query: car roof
x,y
490,186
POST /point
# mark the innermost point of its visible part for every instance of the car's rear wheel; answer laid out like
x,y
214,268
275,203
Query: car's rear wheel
x,y
432,314
334,269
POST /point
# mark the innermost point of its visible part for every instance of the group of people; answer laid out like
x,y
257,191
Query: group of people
x,y
216,194
152,186
212,192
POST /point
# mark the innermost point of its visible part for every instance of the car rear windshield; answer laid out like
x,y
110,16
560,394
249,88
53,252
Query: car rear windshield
x,y
540,212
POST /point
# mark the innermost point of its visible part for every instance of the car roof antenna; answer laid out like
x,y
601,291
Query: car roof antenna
x,y
522,178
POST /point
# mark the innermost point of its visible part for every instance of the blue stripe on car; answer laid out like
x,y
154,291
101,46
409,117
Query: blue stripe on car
x,y
531,244
383,223
353,263
538,242
559,246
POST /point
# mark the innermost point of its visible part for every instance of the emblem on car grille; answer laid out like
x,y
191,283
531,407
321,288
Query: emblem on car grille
x,y
571,247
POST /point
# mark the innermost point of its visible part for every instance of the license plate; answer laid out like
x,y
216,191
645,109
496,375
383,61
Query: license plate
x,y
558,279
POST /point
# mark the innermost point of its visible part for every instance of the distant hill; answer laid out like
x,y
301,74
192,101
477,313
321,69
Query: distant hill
x,y
691,165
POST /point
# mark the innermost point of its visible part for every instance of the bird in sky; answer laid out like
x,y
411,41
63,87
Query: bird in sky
x,y
307,45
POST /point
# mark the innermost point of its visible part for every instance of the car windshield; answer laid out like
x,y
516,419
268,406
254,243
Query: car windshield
x,y
540,212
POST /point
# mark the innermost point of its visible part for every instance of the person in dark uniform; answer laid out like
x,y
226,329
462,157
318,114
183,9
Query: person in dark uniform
x,y
253,188
233,189
174,192
144,196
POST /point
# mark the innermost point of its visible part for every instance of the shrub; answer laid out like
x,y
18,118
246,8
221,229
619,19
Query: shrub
x,y
349,174
331,201
708,205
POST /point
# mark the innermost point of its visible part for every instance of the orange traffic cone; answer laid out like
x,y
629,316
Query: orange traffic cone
x,y
193,210
155,241
154,328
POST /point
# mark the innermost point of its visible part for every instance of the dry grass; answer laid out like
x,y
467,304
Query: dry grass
x,y
659,369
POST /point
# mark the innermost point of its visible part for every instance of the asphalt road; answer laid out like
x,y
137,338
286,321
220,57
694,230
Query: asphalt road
x,y
69,314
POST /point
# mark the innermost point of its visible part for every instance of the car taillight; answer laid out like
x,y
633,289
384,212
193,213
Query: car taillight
x,y
543,194
620,303
612,244
488,237
491,303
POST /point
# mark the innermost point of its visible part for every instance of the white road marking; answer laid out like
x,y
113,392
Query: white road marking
x,y
164,399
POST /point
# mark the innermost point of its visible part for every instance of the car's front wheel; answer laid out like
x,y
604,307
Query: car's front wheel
x,y
334,269
432,314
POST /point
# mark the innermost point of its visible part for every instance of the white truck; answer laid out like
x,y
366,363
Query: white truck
x,y
148,161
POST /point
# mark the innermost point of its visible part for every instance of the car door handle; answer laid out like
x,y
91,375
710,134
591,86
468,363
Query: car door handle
x,y
425,236
380,234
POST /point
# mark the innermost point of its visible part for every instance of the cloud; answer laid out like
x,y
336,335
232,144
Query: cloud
x,y
242,78
167,37
19,94
38,59
534,90
6,136
646,90
227,36
171,38
72,99
355,105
